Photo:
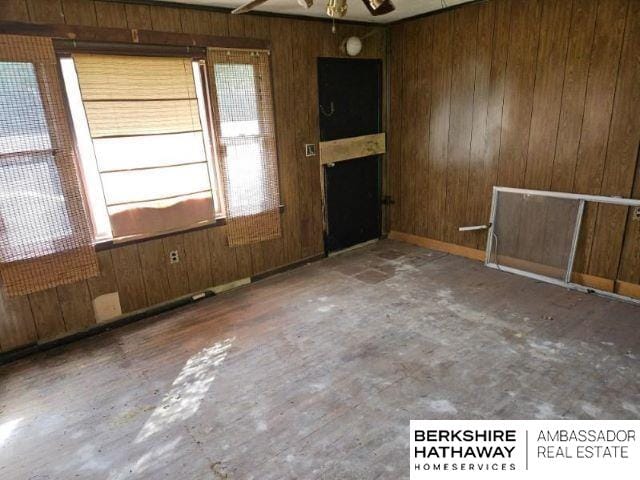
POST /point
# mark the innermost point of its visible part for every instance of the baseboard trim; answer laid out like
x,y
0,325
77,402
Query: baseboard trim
x,y
627,289
592,281
286,268
146,313
619,287
459,250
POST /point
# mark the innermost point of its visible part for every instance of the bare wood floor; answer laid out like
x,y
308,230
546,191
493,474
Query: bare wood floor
x,y
316,373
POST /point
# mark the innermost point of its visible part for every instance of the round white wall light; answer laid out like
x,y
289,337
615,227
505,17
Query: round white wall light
x,y
353,46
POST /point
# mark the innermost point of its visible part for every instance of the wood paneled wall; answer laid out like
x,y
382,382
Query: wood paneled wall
x,y
141,273
540,94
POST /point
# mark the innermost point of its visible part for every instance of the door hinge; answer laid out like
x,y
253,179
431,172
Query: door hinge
x,y
387,200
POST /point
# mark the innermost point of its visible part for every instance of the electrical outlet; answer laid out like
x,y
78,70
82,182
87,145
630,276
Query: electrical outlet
x,y
173,256
310,149
636,214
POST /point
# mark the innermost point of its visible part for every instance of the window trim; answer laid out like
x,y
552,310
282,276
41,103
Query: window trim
x,y
210,137
65,49
109,244
76,150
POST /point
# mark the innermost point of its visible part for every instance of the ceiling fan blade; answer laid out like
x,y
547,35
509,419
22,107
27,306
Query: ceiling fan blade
x,y
379,7
247,7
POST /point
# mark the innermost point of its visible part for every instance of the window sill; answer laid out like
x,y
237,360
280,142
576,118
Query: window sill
x,y
109,244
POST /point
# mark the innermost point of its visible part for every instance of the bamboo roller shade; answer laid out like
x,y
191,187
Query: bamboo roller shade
x,y
45,237
245,128
132,96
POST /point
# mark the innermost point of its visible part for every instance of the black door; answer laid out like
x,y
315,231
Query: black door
x,y
350,106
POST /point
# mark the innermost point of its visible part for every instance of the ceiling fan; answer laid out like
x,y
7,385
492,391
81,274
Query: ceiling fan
x,y
335,8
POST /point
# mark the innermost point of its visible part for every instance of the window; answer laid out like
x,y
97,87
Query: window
x,y
45,238
240,134
243,121
143,134
33,210
168,142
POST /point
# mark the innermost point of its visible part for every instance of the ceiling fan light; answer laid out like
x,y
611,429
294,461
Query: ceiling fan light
x,y
337,8
305,3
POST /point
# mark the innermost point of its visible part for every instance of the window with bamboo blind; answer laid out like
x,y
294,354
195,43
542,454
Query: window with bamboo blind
x,y
246,142
142,131
45,238
157,133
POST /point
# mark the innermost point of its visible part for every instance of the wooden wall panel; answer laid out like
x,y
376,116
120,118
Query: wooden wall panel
x,y
138,16
552,52
45,11
502,32
581,31
544,95
547,97
243,261
105,282
481,102
176,272
223,259
198,260
410,55
17,327
394,137
299,91
111,15
622,154
47,314
319,32
195,21
14,11
128,271
629,269
79,12
439,123
153,263
219,24
76,306
629,264
465,29
236,25
282,69
166,19
519,88
601,89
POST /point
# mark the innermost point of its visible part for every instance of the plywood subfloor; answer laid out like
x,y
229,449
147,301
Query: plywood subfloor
x,y
316,373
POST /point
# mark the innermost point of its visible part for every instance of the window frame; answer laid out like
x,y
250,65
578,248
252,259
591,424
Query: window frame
x,y
197,56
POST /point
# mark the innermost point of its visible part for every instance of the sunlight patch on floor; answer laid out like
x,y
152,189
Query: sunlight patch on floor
x,y
187,391
7,428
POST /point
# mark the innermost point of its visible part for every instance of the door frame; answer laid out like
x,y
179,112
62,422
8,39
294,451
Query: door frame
x,y
382,155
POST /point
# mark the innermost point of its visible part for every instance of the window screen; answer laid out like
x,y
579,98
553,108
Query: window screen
x,y
44,234
246,145
534,233
148,141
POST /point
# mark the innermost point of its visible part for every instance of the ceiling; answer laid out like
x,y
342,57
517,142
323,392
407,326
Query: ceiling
x,y
356,12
